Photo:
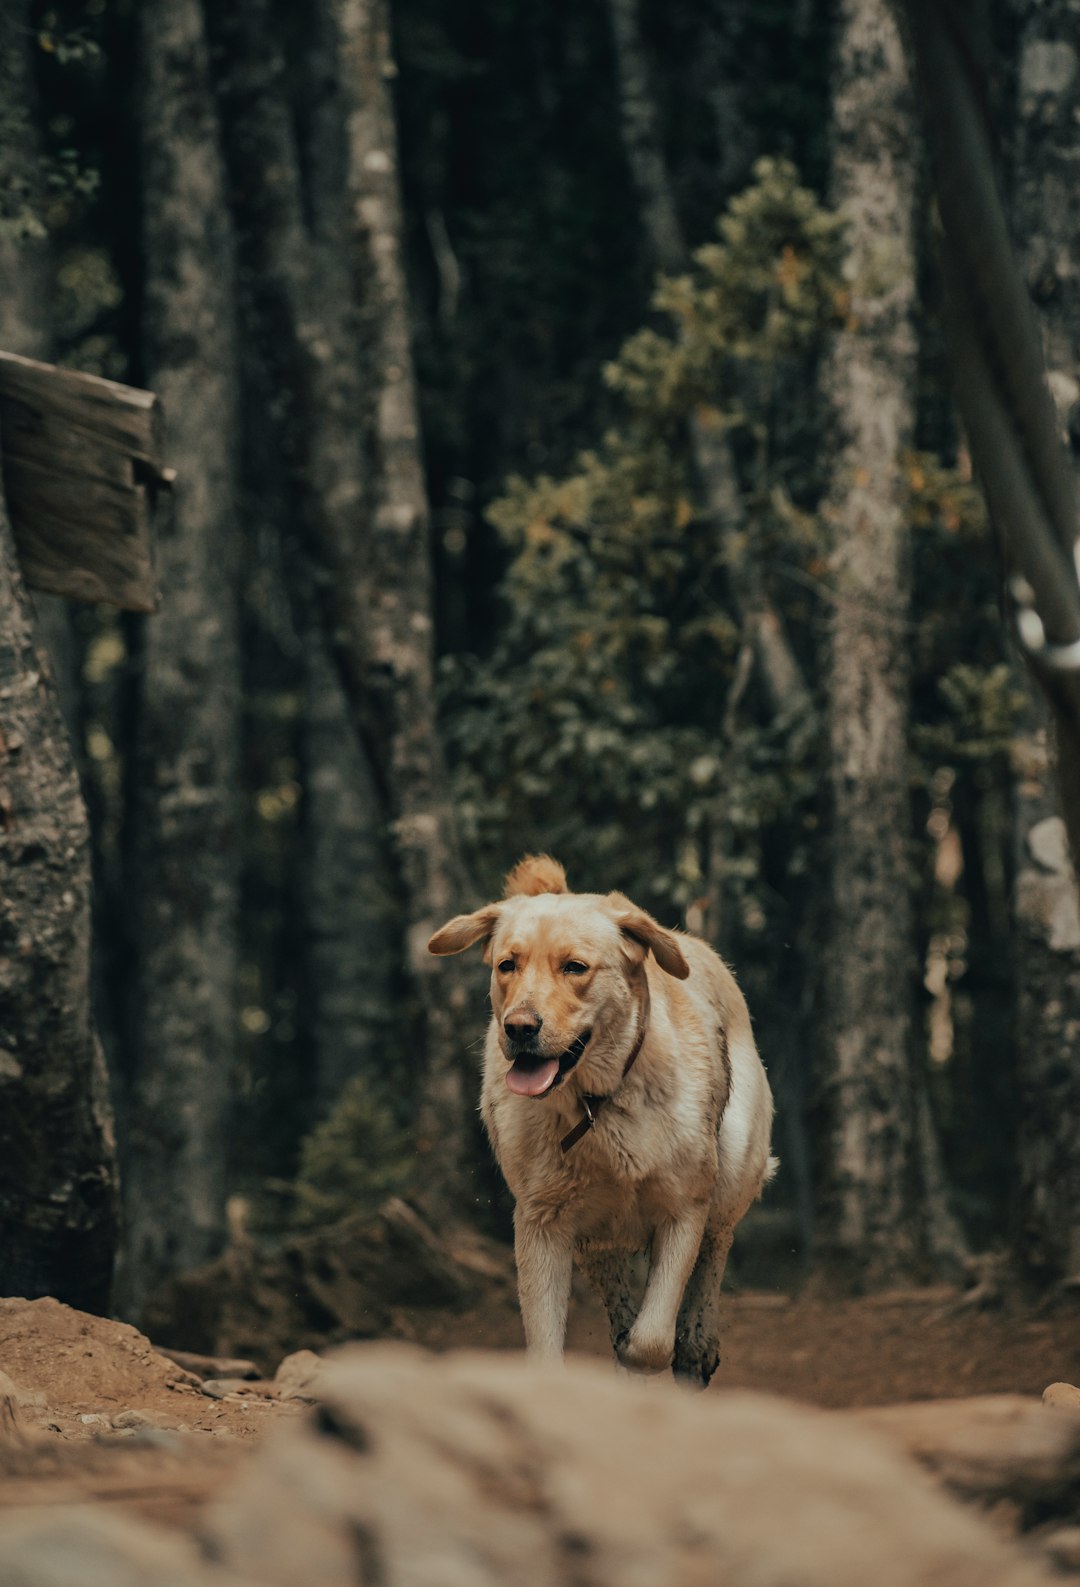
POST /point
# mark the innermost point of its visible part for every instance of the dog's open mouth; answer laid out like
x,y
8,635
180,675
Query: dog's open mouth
x,y
531,1075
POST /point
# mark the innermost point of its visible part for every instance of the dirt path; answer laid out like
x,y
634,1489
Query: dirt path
x,y
899,1346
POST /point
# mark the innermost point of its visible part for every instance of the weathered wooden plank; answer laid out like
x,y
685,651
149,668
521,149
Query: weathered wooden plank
x,y
59,558
82,461
124,418
47,438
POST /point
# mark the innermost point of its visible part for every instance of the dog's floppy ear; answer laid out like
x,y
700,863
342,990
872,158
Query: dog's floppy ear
x,y
641,928
461,932
536,873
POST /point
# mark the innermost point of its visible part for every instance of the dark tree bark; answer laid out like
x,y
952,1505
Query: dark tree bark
x,y
871,1210
1046,215
352,897
733,85
58,1193
26,272
58,1186
183,855
24,248
642,140
349,899
305,445
399,673
367,528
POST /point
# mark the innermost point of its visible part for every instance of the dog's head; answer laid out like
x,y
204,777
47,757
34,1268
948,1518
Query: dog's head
x,y
566,969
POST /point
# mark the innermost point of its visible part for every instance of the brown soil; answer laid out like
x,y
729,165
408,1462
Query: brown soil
x,y
912,1344
78,1378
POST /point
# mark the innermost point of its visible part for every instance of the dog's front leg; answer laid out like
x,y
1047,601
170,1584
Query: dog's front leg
x,y
545,1258
650,1344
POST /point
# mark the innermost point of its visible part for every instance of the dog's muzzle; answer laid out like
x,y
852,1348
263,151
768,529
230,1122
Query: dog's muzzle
x,y
532,1075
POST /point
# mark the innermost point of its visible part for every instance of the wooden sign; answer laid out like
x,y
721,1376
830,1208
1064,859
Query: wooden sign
x,y
82,468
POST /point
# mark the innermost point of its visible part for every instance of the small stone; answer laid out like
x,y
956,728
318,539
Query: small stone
x,y
157,1438
124,1419
1062,1397
220,1388
296,1378
184,1380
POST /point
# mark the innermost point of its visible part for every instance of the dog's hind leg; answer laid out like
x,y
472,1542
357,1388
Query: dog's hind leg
x,y
697,1333
613,1276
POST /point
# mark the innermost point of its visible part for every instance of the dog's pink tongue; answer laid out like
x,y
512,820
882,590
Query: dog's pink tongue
x,y
532,1082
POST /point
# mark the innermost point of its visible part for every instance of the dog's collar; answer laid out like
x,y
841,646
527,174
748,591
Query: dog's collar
x,y
592,1105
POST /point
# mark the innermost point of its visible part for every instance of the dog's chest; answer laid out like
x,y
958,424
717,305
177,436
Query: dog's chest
x,y
616,1183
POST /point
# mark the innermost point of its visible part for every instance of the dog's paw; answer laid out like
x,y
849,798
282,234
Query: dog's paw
x,y
695,1368
644,1355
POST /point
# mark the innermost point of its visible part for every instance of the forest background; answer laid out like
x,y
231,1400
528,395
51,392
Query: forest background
x,y
566,462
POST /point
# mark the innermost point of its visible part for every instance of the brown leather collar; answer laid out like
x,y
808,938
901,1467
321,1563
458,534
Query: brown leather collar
x,y
592,1105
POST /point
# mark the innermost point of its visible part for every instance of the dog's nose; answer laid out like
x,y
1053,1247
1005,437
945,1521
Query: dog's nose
x,y
522,1024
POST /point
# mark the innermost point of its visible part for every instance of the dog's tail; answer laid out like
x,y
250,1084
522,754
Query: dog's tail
x,y
536,873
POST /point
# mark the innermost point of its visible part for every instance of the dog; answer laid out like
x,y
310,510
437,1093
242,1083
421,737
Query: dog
x,y
627,1107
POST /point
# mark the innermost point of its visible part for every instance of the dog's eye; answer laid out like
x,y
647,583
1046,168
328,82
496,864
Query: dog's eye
x,y
575,967
506,966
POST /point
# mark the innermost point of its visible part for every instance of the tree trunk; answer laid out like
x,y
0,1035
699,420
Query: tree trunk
x,y
730,71
352,902
24,248
642,140
368,537
57,1171
349,902
400,665
183,850
868,1205
304,389
1046,215
26,272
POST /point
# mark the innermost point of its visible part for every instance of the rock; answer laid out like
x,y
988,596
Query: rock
x,y
1062,1397
219,1388
479,1470
297,1375
100,1550
992,1448
131,1419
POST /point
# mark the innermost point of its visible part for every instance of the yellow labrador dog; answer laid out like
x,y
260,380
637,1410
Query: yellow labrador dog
x,y
628,1110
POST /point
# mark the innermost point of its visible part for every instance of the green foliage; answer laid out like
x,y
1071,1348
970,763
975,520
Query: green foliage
x,y
351,1161
966,698
597,727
